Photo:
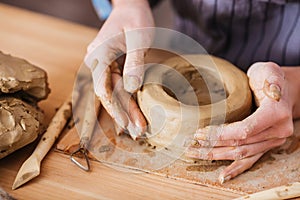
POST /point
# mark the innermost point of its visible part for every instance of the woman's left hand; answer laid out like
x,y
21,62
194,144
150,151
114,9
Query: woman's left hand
x,y
268,127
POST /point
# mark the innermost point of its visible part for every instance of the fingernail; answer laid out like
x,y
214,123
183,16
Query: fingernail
x,y
132,131
272,90
194,143
141,126
94,65
200,136
200,143
204,154
139,130
223,179
131,83
275,91
212,132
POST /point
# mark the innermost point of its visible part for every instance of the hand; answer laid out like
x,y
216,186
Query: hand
x,y
122,33
275,91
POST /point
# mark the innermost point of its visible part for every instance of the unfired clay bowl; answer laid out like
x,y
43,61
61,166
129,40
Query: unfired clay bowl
x,y
189,92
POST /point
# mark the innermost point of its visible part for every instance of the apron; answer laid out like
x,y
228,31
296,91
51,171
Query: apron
x,y
243,31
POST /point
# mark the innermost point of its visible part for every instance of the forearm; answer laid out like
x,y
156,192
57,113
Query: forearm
x,y
292,75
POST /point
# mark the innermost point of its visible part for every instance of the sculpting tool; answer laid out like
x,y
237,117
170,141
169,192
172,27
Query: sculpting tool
x,y
282,192
31,167
90,117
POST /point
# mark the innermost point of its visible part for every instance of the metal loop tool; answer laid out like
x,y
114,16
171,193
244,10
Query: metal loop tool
x,y
82,151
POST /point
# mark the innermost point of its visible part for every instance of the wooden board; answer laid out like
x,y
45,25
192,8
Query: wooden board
x,y
278,167
58,47
61,179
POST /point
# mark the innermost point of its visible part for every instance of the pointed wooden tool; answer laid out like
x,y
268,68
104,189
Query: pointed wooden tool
x,y
31,167
288,191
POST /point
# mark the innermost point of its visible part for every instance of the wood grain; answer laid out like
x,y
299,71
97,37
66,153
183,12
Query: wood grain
x,y
60,178
58,47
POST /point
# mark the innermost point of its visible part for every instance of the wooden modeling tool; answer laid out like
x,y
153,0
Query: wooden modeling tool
x,y
31,167
282,192
90,118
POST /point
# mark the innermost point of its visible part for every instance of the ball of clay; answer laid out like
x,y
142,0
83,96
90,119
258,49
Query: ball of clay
x,y
22,85
189,92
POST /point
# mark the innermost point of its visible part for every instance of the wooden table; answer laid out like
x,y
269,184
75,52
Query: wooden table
x,y
59,47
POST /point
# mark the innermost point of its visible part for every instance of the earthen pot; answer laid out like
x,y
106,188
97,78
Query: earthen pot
x,y
188,92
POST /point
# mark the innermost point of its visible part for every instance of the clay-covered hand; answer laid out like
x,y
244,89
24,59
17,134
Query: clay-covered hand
x,y
276,92
123,33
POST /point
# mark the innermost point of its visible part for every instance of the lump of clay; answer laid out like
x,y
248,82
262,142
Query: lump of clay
x,y
22,85
18,75
20,124
189,92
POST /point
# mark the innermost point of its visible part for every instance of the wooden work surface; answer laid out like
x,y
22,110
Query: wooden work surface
x,y
59,47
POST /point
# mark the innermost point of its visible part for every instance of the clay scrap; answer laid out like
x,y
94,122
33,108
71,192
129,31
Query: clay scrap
x,y
22,86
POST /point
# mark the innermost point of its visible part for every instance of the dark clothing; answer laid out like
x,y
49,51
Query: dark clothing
x,y
243,31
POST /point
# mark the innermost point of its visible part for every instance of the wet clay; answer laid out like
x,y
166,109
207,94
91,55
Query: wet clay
x,y
188,92
18,75
22,85
184,83
20,124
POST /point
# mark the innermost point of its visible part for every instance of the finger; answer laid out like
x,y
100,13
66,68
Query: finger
x,y
272,90
233,153
103,54
264,117
128,102
267,82
106,45
238,167
103,89
133,72
266,79
137,123
270,133
137,43
125,100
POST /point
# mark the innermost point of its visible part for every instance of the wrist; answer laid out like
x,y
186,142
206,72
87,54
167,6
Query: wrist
x,y
117,3
293,83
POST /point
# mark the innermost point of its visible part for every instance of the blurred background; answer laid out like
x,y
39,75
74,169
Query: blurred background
x,y
83,12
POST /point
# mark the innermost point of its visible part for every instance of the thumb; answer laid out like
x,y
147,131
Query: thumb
x,y
133,73
137,43
266,80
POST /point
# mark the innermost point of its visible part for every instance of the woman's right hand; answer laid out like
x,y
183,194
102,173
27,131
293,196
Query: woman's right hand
x,y
123,33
